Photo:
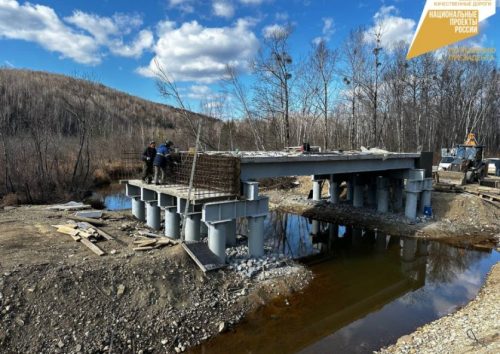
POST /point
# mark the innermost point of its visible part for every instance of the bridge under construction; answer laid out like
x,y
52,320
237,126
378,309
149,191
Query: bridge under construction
x,y
225,188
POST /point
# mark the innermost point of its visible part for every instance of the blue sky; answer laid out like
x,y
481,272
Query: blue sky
x,y
116,41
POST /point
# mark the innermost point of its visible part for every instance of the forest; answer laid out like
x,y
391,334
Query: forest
x,y
59,135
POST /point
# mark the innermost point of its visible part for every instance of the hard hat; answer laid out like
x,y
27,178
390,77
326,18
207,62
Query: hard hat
x,y
168,143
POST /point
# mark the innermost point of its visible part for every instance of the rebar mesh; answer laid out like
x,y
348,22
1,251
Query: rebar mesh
x,y
214,174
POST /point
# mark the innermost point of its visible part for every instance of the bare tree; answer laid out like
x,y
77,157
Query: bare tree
x,y
274,70
323,62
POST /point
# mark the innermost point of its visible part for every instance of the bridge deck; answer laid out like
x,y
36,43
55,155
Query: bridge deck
x,y
255,165
198,195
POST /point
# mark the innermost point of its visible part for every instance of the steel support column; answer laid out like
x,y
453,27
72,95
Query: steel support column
x,y
172,222
231,233
426,196
382,194
357,195
316,190
153,215
334,190
138,209
256,236
217,239
192,225
349,189
397,190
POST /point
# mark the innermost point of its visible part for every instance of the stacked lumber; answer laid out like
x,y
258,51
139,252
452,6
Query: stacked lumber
x,y
147,244
86,234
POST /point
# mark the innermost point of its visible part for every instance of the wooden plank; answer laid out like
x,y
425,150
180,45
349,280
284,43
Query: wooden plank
x,y
76,238
94,248
203,257
90,221
67,231
165,241
145,243
148,234
100,232
84,234
143,248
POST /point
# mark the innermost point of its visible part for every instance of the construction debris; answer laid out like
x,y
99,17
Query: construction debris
x,y
68,206
148,244
85,234
92,214
90,221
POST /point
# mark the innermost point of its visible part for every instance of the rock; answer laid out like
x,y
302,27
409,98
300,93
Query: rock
x,y
113,252
60,344
164,341
121,290
222,327
78,348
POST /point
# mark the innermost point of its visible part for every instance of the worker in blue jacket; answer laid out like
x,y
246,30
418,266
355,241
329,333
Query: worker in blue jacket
x,y
161,161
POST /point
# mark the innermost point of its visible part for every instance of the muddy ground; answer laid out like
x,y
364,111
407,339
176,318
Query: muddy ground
x,y
58,297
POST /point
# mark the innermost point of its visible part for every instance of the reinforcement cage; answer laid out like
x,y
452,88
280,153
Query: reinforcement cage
x,y
214,174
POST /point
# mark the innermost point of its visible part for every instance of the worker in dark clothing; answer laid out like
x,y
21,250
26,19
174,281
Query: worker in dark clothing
x,y
162,161
148,157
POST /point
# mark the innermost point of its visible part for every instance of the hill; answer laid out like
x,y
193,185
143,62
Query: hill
x,y
56,132
25,93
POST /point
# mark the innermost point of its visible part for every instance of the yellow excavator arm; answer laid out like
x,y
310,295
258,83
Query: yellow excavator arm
x,y
471,140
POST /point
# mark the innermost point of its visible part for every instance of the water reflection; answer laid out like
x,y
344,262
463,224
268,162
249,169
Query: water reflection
x,y
113,198
372,289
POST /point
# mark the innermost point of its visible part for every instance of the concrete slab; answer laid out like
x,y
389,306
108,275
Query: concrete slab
x,y
198,195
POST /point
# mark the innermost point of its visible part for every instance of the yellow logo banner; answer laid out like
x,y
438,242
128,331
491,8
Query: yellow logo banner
x,y
446,22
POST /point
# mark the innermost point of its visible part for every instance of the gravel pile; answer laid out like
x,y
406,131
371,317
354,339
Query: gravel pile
x,y
246,266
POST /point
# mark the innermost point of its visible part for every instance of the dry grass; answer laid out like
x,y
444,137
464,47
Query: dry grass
x,y
10,199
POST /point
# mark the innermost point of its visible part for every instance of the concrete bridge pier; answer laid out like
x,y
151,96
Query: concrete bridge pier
x,y
357,195
138,209
382,194
172,222
217,233
192,227
153,215
334,190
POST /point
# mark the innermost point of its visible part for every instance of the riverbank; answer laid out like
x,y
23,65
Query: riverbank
x,y
58,297
473,329
462,220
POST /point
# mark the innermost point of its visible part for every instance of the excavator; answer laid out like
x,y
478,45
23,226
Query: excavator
x,y
467,166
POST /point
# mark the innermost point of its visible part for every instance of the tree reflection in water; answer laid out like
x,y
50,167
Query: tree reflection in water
x,y
444,263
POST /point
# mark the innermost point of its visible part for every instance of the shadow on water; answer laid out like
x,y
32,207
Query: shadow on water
x,y
369,289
